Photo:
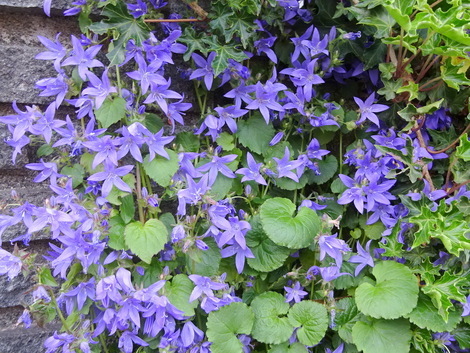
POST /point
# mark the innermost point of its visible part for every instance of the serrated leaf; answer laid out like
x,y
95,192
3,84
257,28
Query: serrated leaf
x,y
126,26
426,315
443,290
463,149
116,237
204,262
146,240
384,336
395,293
295,347
255,134
44,150
268,255
224,325
188,141
178,291
76,172
346,316
379,18
127,208
45,278
194,42
111,111
160,169
311,319
226,141
294,232
462,335
327,168
224,52
271,324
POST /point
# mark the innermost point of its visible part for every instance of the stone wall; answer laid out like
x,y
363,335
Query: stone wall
x,y
21,21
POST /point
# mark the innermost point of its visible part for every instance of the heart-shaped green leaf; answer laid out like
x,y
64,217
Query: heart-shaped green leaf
x,y
271,323
312,320
224,325
395,293
146,240
384,336
286,230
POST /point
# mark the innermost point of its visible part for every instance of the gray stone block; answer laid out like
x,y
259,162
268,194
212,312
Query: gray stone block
x,y
35,6
20,340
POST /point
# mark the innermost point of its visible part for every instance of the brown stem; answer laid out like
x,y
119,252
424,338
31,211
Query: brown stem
x,y
426,174
417,52
426,67
432,87
400,49
457,186
198,9
451,145
174,20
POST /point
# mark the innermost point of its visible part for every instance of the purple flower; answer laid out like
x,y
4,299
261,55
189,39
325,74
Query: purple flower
x,y
367,109
331,245
106,147
147,74
56,51
354,193
80,294
47,170
193,194
175,113
46,123
190,334
306,78
264,46
159,93
233,229
265,99
100,89
127,341
156,143
295,293
205,69
363,258
47,7
253,170
54,86
138,9
466,307
285,166
84,59
10,265
111,176
227,116
277,138
328,273
339,349
216,165
240,254
204,285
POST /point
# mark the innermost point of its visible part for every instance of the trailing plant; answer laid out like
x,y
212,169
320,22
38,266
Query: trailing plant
x,y
312,197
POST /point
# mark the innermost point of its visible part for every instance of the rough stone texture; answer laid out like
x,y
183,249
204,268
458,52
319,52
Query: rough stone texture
x,y
19,340
34,6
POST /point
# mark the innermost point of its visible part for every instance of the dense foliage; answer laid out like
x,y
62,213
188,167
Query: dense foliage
x,y
320,204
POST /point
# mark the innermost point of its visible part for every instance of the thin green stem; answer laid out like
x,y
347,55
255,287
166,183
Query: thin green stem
x,y
118,78
59,312
103,343
139,194
340,157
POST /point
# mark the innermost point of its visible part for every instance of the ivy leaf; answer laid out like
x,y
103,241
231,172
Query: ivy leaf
x,y
268,255
384,336
194,42
463,149
377,17
462,335
347,315
426,316
126,26
295,347
283,229
241,26
395,293
45,278
178,291
160,169
441,291
271,324
111,111
255,134
312,320
146,240
453,76
252,7
224,325
224,52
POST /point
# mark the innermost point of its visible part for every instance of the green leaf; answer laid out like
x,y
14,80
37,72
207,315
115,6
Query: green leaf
x,y
295,347
160,169
240,26
111,111
44,150
327,167
224,52
271,324
127,208
194,41
377,17
224,325
463,149
283,229
45,278
226,141
116,237
443,290
410,111
384,336
312,320
255,134
462,335
188,141
347,315
268,255
126,26
178,291
76,172
204,262
390,88
146,240
221,187
395,293
426,315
